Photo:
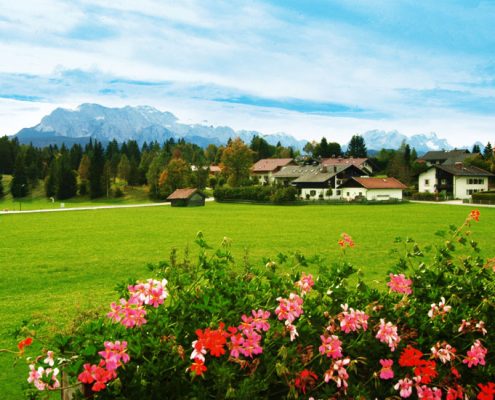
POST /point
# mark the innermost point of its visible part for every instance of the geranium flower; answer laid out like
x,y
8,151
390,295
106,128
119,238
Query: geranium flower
x,y
304,379
352,320
387,333
305,284
476,355
292,330
338,373
49,359
289,309
331,346
455,393
386,372
445,352
427,393
440,309
426,370
24,343
400,284
405,387
487,391
474,214
198,367
346,241
410,357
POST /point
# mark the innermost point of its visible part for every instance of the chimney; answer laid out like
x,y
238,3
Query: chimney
x,y
458,165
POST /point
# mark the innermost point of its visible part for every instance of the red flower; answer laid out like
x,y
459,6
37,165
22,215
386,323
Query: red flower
x,y
426,370
410,357
23,343
198,366
213,340
487,391
455,393
474,214
305,378
455,372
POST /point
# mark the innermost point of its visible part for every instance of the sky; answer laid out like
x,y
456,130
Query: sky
x,y
309,68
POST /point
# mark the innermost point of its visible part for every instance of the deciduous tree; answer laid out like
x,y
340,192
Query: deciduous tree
x,y
237,159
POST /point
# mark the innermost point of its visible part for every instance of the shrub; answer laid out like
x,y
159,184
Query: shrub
x,y
284,195
202,330
118,192
485,196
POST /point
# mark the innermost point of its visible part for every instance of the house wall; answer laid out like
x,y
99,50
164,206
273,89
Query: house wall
x,y
352,193
463,189
384,194
429,176
314,193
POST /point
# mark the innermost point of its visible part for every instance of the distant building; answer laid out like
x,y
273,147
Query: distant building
x,y
362,163
265,169
324,182
456,180
444,157
375,189
187,198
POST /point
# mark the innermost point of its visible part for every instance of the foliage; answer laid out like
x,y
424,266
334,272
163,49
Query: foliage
x,y
1,186
237,159
19,186
490,196
250,193
97,187
176,175
207,330
284,195
357,147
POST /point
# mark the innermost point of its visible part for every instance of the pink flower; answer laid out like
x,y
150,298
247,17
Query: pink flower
x,y
251,345
345,241
289,309
405,386
236,345
338,373
476,355
305,284
424,392
152,292
292,330
199,350
260,320
115,354
43,379
386,372
34,374
352,320
387,333
49,359
445,352
331,346
440,309
400,284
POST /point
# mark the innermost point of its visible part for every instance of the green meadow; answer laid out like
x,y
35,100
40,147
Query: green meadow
x,y
53,266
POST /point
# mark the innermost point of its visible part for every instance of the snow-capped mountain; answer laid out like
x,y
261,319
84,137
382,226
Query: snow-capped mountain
x,y
142,123
377,140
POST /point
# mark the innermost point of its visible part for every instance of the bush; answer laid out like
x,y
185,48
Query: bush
x,y
485,196
284,195
83,188
118,192
425,196
250,193
211,329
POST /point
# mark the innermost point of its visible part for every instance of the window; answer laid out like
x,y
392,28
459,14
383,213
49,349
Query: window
x,y
427,182
443,181
338,192
471,191
312,192
360,193
348,194
475,181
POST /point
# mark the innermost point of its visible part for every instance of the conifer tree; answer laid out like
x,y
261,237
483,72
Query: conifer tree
x,y
124,168
488,152
357,147
96,166
1,186
19,185
66,178
51,180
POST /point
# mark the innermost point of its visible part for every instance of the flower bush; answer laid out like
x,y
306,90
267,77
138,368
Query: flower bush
x,y
214,329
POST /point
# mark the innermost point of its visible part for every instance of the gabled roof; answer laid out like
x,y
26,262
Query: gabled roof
x,y
462,170
271,164
343,161
442,155
183,194
375,183
295,171
314,177
215,169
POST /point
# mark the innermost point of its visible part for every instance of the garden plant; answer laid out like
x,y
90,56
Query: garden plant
x,y
203,329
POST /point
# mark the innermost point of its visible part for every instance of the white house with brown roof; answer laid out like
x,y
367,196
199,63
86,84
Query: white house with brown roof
x,y
458,180
265,168
374,189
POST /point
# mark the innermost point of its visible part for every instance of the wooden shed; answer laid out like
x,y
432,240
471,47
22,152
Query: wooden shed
x,y
187,198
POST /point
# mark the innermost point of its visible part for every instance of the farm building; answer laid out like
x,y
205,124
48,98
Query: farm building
x,y
265,168
187,198
377,189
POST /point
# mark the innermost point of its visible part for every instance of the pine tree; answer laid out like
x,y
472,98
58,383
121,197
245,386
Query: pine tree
x,y
357,147
1,186
124,168
51,180
66,178
488,152
19,185
476,149
96,166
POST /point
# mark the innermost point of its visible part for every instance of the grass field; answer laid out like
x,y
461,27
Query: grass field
x,y
54,265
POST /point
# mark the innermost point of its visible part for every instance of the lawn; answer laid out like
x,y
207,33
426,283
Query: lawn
x,y
55,265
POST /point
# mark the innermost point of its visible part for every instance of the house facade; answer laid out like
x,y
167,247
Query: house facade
x,y
456,180
372,189
265,169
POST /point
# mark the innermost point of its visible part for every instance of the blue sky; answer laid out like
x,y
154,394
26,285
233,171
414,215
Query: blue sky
x,y
308,68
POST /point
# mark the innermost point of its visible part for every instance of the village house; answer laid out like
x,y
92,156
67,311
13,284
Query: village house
x,y
187,198
458,180
324,183
372,189
264,169
443,157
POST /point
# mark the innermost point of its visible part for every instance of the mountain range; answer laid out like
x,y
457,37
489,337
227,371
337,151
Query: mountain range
x,y
146,124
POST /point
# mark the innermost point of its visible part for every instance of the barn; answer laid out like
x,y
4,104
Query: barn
x,y
187,198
